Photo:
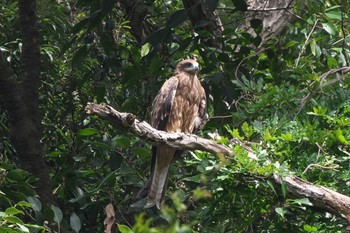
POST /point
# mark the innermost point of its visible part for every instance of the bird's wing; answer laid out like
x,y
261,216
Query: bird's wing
x,y
162,156
161,109
163,103
202,117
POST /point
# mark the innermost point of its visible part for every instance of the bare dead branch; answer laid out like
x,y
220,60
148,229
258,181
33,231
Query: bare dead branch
x,y
321,197
142,129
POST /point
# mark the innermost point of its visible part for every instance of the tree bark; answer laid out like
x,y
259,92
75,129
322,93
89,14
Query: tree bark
x,y
22,102
136,12
204,19
321,197
274,14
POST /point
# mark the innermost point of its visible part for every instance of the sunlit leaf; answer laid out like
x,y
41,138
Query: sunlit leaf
x,y
13,210
124,229
145,49
330,28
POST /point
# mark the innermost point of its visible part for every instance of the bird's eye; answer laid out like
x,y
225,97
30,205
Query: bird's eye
x,y
188,64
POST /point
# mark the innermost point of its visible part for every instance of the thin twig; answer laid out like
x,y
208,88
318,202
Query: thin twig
x,y
220,117
306,42
320,167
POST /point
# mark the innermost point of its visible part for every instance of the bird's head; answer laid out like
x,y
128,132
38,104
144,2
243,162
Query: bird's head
x,y
189,66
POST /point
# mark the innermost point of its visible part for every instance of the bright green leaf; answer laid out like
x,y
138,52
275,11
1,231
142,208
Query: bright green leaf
x,y
313,47
23,204
309,228
145,49
13,210
124,229
87,132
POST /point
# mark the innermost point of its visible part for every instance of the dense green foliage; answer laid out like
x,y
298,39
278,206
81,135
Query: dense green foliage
x,y
272,95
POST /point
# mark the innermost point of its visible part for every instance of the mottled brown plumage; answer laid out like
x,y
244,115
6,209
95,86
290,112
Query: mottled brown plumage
x,y
179,107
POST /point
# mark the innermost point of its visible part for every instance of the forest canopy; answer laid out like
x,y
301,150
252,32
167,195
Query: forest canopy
x,y
276,80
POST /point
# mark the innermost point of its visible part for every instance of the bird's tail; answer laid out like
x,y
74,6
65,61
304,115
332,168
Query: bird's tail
x,y
159,180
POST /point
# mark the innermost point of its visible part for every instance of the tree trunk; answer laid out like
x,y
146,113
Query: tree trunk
x,y
205,20
274,14
22,102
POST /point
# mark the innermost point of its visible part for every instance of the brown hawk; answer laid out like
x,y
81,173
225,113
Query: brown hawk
x,y
180,106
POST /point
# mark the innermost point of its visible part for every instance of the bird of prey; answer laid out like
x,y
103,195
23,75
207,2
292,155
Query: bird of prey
x,y
180,106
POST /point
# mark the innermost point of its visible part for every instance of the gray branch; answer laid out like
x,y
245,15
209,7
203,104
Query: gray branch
x,y
128,122
319,196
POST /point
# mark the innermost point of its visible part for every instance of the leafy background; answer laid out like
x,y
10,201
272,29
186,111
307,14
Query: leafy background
x,y
268,92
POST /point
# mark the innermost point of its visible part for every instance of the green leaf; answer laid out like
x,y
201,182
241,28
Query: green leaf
x,y
177,18
156,65
124,229
287,136
87,132
75,222
247,130
332,62
281,211
5,229
17,174
23,228
309,228
284,189
340,136
122,141
79,56
145,49
35,226
35,203
291,43
313,47
58,215
13,210
303,201
142,152
23,204
272,186
330,28
13,219
334,14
